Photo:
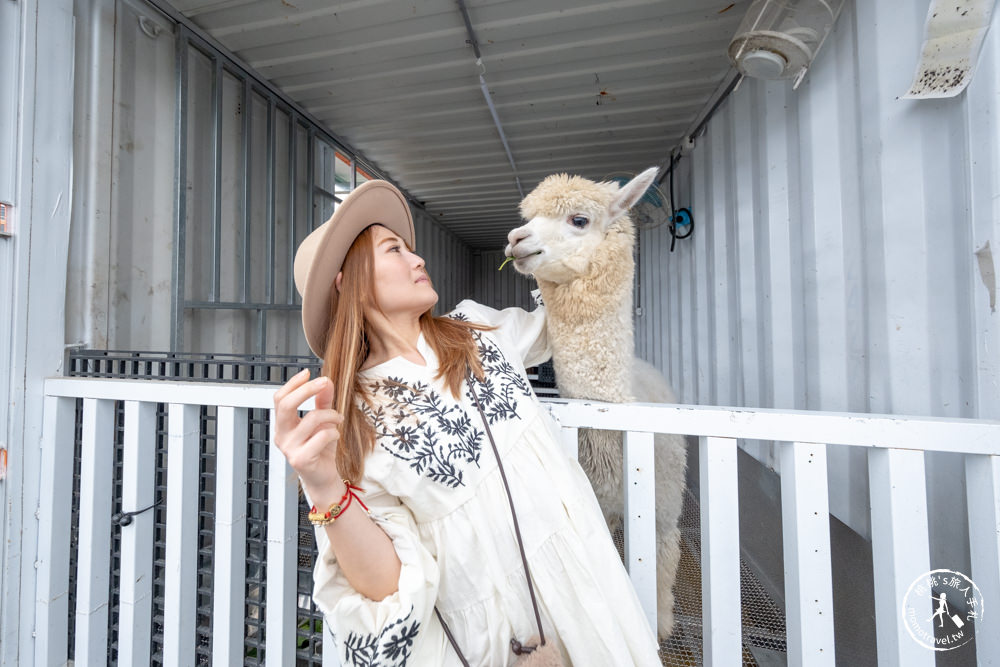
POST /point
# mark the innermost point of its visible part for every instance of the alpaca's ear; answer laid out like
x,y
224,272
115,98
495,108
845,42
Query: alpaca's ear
x,y
630,193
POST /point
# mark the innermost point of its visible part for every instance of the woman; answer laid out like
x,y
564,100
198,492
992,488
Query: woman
x,y
421,530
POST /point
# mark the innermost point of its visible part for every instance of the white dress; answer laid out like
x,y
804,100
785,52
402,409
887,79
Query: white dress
x,y
433,485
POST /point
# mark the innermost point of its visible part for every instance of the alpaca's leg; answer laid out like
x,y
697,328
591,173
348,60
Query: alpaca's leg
x,y
668,556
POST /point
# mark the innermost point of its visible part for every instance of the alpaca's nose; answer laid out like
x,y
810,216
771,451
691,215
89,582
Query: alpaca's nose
x,y
518,235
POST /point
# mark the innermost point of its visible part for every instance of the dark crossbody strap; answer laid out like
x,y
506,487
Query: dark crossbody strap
x,y
515,645
451,638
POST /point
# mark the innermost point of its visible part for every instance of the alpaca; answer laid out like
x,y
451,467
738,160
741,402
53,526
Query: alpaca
x,y
578,245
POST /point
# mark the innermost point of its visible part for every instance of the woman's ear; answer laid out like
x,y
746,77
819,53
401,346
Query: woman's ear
x,y
338,280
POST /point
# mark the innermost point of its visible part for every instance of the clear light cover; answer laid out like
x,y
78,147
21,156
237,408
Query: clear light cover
x,y
778,39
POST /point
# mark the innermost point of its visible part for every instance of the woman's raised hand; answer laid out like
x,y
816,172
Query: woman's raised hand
x,y
310,443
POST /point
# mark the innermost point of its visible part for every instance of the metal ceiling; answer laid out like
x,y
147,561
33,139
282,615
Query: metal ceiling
x,y
594,88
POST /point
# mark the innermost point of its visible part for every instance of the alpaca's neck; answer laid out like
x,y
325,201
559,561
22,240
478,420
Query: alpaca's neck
x,y
590,324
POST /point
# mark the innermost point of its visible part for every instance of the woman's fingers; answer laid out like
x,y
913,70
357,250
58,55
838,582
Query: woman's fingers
x,y
308,460
309,443
287,405
293,382
313,421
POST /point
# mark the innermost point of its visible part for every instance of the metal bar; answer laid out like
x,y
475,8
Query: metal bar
x,y
180,603
982,482
323,191
720,552
94,547
56,494
311,177
230,305
270,204
261,330
805,525
216,179
474,41
282,552
900,549
920,433
293,126
180,193
230,536
136,587
503,135
837,428
354,174
247,175
718,96
640,519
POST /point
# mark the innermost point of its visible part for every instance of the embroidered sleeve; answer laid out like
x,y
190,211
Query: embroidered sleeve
x,y
391,632
524,330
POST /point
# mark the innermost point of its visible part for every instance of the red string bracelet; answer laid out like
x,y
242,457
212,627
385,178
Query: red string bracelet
x,y
336,509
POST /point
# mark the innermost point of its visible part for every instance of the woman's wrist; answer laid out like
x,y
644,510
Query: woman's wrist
x,y
327,495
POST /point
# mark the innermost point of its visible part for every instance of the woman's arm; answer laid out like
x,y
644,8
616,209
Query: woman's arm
x,y
364,552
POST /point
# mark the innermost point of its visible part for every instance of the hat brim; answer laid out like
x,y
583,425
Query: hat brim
x,y
320,256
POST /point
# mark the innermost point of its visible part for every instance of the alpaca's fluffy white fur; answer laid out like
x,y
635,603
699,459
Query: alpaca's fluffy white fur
x,y
585,276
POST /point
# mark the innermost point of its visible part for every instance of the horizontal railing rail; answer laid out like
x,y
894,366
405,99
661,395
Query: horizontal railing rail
x,y
899,520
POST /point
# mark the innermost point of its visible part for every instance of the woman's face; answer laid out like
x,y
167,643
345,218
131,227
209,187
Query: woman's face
x,y
401,284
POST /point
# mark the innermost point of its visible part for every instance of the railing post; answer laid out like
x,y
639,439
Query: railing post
x,y
138,482
230,536
982,481
720,552
282,547
571,441
900,549
805,526
94,547
180,604
640,519
55,499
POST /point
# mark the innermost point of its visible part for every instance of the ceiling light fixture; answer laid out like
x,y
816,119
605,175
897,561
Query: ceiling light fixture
x,y
778,39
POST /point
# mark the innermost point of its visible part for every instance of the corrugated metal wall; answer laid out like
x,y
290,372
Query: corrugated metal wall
x,y
119,292
449,261
834,265
500,289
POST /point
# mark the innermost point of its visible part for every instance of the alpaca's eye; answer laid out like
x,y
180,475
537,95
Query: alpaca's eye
x,y
579,221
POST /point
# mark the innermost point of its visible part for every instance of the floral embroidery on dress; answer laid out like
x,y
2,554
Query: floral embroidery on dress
x,y
436,435
414,424
501,385
390,647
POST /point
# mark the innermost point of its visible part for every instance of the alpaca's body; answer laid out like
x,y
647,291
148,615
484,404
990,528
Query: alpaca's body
x,y
585,279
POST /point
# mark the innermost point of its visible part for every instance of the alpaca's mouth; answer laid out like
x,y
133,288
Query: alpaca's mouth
x,y
512,258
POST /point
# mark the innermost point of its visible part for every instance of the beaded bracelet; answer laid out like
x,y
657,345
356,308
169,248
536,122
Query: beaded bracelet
x,y
335,510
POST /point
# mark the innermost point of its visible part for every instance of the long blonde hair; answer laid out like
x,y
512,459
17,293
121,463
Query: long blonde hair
x,y
347,348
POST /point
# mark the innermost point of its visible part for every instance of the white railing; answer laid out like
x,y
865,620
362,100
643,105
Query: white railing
x,y
898,518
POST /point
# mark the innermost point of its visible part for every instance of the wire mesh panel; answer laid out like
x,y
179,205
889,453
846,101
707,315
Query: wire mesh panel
x,y
116,535
74,540
256,567
231,368
763,621
309,625
159,536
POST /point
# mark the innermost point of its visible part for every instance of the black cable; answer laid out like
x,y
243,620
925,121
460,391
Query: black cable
x,y
125,518
680,216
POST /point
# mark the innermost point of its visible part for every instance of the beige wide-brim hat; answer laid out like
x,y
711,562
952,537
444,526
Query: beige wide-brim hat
x,y
321,254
